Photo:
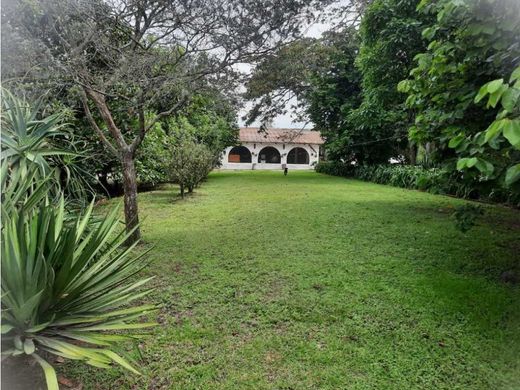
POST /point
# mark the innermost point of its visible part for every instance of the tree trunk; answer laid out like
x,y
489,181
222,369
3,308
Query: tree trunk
x,y
412,153
130,197
182,190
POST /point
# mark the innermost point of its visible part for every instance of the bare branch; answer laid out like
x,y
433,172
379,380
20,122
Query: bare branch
x,y
94,125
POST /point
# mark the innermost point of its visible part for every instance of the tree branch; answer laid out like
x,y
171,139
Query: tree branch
x,y
143,129
95,125
104,111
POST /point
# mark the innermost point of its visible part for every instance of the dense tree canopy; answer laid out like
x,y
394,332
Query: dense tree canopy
x,y
350,84
390,38
470,43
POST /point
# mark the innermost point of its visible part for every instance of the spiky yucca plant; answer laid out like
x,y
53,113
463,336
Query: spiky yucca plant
x,y
29,140
65,283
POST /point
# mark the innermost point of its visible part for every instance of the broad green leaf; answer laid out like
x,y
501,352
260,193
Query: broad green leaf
x,y
429,33
495,96
471,162
515,75
422,4
510,98
6,328
18,344
512,132
28,346
484,167
513,174
455,141
462,163
494,85
494,129
403,86
483,91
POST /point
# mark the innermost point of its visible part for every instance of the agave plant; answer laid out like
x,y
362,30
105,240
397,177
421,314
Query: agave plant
x,y
29,141
66,282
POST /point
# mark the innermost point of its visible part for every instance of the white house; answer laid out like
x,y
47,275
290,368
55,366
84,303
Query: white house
x,y
274,149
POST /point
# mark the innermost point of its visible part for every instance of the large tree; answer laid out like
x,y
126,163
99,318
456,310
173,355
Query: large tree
x,y
471,44
334,91
282,81
136,62
390,38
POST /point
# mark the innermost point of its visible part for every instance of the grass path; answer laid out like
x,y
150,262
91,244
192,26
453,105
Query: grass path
x,y
316,282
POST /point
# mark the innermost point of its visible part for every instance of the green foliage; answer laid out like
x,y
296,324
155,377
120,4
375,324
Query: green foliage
x,y
208,121
64,278
334,91
473,48
466,216
32,141
390,38
504,132
67,278
190,164
152,157
404,176
281,76
434,180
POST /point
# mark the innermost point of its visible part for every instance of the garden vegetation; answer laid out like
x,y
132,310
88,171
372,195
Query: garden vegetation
x,y
104,98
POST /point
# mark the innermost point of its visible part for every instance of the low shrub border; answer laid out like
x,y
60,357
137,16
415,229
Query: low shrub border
x,y
433,180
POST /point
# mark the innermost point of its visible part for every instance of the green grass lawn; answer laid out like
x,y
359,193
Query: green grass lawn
x,y
317,282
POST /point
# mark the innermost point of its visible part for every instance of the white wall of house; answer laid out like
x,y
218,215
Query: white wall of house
x,y
283,149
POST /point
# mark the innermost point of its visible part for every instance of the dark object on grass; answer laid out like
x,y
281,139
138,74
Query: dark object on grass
x,y
285,171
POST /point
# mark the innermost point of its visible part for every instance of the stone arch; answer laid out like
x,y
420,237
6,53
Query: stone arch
x,y
298,156
269,155
239,154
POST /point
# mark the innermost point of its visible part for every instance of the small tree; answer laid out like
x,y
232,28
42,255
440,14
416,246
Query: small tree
x,y
190,165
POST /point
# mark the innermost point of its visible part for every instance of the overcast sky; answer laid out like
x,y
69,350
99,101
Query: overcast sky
x,y
285,121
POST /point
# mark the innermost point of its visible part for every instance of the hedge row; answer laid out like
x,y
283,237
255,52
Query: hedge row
x,y
434,180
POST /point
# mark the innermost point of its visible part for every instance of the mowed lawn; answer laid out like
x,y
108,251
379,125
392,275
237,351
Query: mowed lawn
x,y
317,282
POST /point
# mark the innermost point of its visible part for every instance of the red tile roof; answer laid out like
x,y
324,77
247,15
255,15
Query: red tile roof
x,y
272,135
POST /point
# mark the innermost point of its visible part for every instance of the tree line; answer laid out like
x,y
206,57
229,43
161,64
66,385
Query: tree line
x,y
429,83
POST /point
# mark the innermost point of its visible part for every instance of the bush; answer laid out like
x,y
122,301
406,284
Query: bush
x,y
433,180
190,164
151,161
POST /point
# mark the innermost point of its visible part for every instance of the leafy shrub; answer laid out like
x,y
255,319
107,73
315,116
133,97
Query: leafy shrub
x,y
434,180
152,157
64,278
335,168
28,140
67,277
190,164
